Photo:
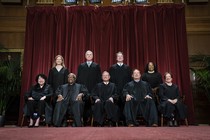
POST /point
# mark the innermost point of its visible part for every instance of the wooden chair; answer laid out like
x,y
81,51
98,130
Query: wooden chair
x,y
70,120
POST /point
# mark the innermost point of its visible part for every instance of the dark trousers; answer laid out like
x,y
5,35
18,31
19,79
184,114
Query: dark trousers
x,y
62,108
36,106
177,111
107,108
146,108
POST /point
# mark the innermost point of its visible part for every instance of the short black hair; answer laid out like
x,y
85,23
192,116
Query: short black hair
x,y
146,68
41,75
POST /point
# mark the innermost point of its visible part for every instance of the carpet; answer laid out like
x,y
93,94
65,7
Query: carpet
x,y
106,133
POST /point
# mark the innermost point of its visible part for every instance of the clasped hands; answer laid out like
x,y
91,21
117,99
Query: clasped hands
x,y
110,99
129,97
78,98
172,101
42,98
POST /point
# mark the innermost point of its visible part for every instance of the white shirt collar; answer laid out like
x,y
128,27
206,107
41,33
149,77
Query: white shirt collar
x,y
119,64
89,62
151,71
106,83
137,81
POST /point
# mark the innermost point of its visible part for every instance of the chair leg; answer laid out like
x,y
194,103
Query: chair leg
x,y
22,120
161,121
92,121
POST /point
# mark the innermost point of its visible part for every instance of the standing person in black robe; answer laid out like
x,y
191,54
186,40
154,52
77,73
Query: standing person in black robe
x,y
58,74
69,101
171,106
104,96
120,75
38,101
89,74
137,94
153,77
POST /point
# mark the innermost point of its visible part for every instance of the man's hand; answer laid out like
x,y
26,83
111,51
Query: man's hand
x,y
148,97
44,97
60,98
30,98
79,97
128,97
97,100
111,99
173,101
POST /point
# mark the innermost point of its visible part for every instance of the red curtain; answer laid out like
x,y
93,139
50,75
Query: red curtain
x,y
143,33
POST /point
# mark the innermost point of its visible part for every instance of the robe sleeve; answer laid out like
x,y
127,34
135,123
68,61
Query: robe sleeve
x,y
66,73
84,90
161,93
95,93
125,91
28,94
50,77
115,95
99,74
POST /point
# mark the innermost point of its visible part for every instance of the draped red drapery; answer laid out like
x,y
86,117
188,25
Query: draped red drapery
x,y
154,33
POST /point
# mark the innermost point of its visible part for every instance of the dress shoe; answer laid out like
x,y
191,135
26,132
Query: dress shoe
x,y
30,126
136,124
154,125
130,125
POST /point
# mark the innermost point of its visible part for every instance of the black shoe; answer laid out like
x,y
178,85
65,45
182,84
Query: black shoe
x,y
136,124
99,125
30,126
130,125
64,124
110,123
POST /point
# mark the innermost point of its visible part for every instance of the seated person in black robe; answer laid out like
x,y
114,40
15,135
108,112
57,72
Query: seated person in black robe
x,y
153,78
69,101
104,96
170,104
138,97
38,101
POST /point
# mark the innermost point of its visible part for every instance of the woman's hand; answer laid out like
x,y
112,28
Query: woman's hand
x,y
44,97
30,98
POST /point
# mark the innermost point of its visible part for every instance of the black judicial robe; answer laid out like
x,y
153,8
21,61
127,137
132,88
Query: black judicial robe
x,y
154,79
120,75
43,109
89,76
138,104
69,104
104,92
168,109
57,78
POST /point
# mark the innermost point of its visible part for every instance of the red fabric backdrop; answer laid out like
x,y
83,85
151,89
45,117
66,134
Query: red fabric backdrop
x,y
143,33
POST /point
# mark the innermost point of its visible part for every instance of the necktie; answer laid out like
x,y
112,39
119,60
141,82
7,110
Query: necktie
x,y
88,63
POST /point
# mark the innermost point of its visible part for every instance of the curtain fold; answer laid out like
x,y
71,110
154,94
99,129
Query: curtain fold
x,y
143,33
